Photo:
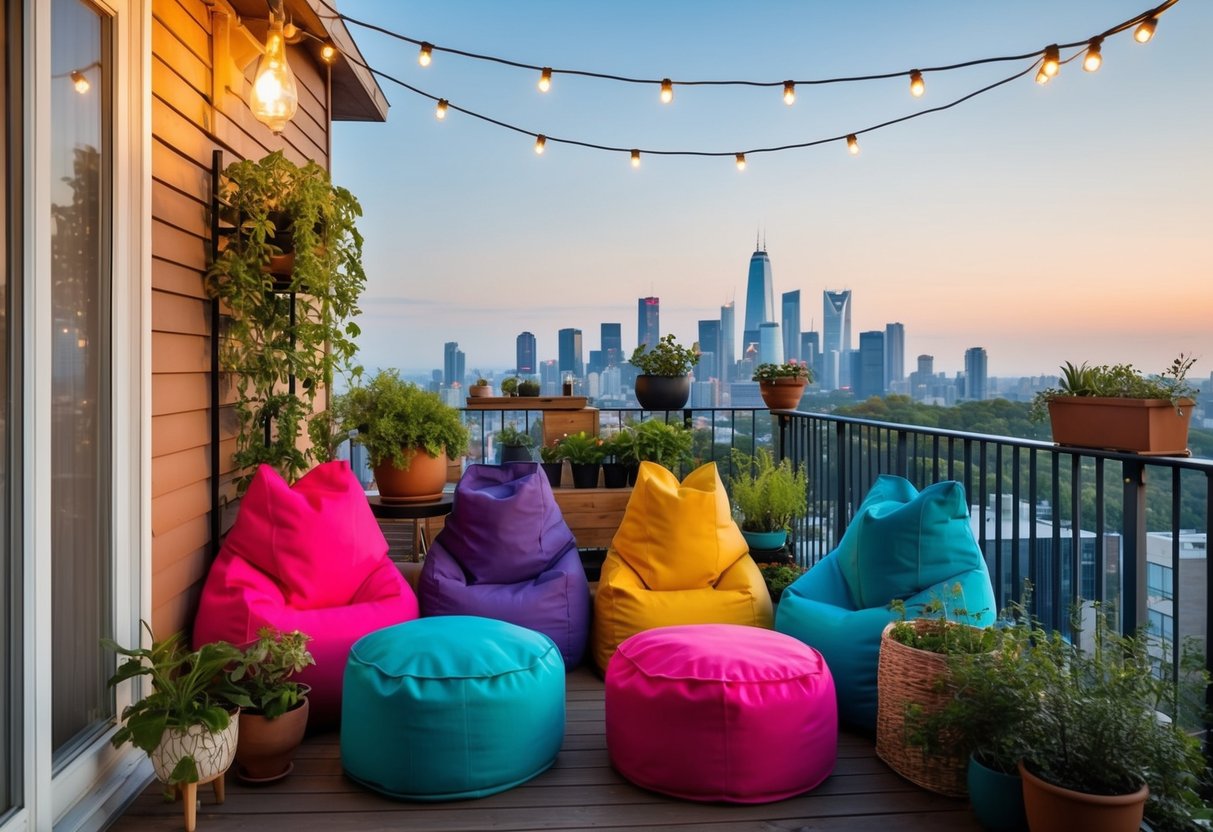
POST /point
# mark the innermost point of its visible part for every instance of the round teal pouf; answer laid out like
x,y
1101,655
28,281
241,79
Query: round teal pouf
x,y
451,707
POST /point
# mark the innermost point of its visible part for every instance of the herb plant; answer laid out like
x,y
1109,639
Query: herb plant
x,y
263,672
768,495
509,386
779,576
788,369
666,443
666,358
512,437
1120,381
528,387
581,448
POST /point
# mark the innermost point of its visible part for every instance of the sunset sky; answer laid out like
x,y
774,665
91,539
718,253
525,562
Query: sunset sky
x,y
1072,221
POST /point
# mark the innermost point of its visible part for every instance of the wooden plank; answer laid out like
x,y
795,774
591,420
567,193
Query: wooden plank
x,y
181,315
180,542
177,279
178,470
172,615
171,510
191,34
176,353
194,70
180,392
514,403
177,246
177,93
190,176
178,577
181,211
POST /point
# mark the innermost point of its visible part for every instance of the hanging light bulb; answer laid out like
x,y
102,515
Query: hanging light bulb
x,y
540,141
853,144
274,99
1094,59
741,161
545,79
635,158
667,90
426,54
917,85
440,110
789,92
1042,77
1145,31
1052,61
328,53
80,82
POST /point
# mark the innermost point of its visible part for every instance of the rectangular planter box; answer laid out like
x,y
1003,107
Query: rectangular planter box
x,y
1144,426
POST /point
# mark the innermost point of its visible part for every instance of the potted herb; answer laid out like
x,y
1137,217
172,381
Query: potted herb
x,y
480,389
782,385
666,443
664,382
584,453
552,463
274,708
1116,407
408,432
509,386
779,576
528,387
515,444
269,206
618,449
768,496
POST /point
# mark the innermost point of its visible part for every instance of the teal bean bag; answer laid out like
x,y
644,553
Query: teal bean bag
x,y
451,707
904,544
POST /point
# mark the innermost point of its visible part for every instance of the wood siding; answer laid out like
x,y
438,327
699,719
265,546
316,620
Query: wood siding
x,y
186,127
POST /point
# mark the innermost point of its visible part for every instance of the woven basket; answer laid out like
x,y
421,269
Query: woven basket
x,y
908,676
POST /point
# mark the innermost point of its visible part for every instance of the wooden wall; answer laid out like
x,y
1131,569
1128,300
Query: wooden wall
x,y
186,127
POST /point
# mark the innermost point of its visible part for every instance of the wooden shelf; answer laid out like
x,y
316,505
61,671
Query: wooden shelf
x,y
526,402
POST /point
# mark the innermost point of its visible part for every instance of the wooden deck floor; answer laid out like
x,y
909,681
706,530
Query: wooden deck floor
x,y
580,791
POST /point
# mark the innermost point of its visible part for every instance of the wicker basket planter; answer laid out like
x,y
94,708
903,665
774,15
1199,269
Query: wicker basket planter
x,y
908,676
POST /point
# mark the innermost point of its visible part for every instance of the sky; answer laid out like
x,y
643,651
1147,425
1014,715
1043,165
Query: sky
x,y
1065,222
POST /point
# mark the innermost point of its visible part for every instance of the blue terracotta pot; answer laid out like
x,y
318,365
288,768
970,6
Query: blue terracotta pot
x,y
997,798
765,541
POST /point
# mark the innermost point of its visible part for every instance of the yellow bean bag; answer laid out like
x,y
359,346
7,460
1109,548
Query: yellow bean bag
x,y
678,558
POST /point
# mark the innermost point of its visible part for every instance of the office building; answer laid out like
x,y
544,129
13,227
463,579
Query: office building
x,y
759,297
549,378
976,388
648,323
871,380
727,357
611,344
922,380
836,337
894,353
810,353
770,344
525,362
452,364
570,356
791,325
709,345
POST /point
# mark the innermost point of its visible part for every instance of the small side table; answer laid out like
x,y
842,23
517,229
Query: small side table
x,y
418,513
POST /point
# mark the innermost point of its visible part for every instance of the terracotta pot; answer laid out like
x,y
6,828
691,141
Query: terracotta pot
x,y
267,746
1051,808
421,483
1144,426
662,392
782,393
477,391
213,752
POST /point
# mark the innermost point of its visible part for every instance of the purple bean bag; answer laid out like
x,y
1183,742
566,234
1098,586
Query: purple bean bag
x,y
506,553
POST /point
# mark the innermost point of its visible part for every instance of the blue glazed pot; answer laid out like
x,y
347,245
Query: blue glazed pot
x,y
997,798
768,541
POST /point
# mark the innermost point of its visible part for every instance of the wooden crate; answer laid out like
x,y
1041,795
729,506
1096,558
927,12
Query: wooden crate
x,y
559,423
593,514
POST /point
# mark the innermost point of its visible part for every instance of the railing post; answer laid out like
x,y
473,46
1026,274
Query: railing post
x,y
903,456
1133,551
784,424
840,497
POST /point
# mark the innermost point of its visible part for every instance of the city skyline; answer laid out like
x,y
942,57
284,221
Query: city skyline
x,y
1046,224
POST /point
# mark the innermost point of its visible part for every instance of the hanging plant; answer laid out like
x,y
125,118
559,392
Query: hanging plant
x,y
287,334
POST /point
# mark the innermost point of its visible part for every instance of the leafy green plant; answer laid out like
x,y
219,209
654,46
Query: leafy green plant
x,y
788,369
482,382
263,203
666,358
1119,381
550,453
935,629
512,437
188,688
392,416
509,386
581,448
768,495
619,445
666,443
779,576
528,387
263,672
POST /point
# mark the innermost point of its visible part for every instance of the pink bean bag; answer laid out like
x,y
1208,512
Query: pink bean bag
x,y
721,712
309,557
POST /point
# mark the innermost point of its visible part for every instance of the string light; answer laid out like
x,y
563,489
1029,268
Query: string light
x,y
667,90
540,141
635,158
1052,62
1145,31
1041,77
1094,59
853,144
917,85
545,79
789,92
80,82
440,110
741,161
328,53
426,55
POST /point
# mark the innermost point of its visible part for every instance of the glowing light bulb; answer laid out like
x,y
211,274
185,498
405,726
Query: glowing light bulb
x,y
1094,59
917,85
635,158
540,141
1145,31
440,110
853,144
741,161
328,53
1042,77
80,82
667,91
789,93
1052,62
275,98
426,54
545,79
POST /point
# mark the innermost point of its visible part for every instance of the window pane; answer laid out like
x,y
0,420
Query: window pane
x,y
80,430
10,560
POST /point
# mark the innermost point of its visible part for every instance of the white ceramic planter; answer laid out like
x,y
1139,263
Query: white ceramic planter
x,y
213,752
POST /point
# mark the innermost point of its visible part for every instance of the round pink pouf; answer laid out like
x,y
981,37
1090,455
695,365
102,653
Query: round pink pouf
x,y
721,712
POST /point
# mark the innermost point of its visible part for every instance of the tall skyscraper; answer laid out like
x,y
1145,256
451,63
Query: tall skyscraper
x,y
612,344
524,361
871,381
452,363
648,324
791,325
770,344
727,356
836,338
810,353
571,358
895,352
759,297
922,380
709,344
975,374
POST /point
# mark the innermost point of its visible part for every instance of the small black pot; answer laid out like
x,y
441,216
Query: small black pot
x,y
663,392
554,471
614,475
633,471
515,453
585,474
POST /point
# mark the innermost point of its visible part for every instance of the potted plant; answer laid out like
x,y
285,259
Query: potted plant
x,y
584,453
782,385
515,444
779,576
1116,407
666,443
552,463
409,435
186,723
767,496
509,386
480,389
664,382
278,366
618,448
273,708
528,387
